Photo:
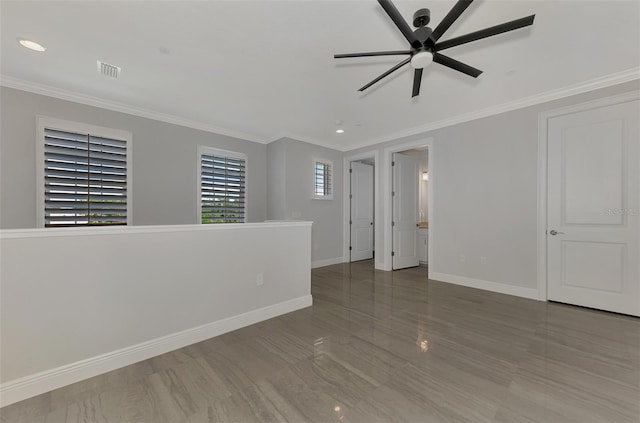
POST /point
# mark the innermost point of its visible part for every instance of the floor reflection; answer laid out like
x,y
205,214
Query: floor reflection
x,y
377,347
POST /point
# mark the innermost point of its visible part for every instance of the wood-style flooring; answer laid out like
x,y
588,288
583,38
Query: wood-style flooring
x,y
379,347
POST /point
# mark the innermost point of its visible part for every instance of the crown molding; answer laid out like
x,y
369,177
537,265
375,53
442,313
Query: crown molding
x,y
62,94
568,91
291,135
304,138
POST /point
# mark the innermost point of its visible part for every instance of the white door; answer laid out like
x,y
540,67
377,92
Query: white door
x,y
361,211
593,209
405,211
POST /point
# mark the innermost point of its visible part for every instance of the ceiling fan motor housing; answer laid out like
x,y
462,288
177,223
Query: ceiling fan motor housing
x,y
423,33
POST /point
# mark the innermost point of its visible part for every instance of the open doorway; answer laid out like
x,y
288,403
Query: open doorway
x,y
409,210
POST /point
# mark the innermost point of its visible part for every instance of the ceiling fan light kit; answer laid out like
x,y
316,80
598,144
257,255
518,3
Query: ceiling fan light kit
x,y
421,59
424,46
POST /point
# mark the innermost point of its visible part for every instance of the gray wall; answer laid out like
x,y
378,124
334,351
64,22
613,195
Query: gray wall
x,y
277,180
292,183
483,175
164,170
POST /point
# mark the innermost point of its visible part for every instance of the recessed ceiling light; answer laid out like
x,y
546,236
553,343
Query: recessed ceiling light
x,y
339,131
31,45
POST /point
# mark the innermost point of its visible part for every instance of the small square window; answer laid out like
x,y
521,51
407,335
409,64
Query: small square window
x,y
323,180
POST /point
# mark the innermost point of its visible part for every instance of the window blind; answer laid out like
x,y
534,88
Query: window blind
x,y
85,179
322,179
222,189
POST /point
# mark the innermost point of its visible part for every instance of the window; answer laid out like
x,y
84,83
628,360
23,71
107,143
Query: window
x,y
222,186
85,175
323,180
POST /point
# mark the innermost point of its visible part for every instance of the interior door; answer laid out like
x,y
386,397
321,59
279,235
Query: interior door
x,y
593,209
405,211
361,211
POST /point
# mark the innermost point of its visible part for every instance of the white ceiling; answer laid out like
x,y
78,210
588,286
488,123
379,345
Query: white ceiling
x,y
265,68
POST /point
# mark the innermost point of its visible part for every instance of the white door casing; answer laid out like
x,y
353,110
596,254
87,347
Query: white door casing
x,y
593,208
362,192
405,210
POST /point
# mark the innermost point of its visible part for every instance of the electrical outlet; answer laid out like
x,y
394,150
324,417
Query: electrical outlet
x,y
259,279
463,258
483,260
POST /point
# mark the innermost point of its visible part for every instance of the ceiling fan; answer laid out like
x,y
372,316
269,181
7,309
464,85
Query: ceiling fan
x,y
425,47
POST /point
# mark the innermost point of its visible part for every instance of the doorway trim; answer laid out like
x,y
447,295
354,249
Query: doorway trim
x,y
543,127
346,233
386,199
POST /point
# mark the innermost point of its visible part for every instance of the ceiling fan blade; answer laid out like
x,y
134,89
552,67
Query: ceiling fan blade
x,y
487,32
417,79
448,20
454,64
373,53
387,73
402,25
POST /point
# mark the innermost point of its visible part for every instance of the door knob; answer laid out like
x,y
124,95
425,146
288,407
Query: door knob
x,y
554,232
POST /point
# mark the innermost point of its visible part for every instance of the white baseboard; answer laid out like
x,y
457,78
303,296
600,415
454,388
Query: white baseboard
x,y
327,262
518,291
39,383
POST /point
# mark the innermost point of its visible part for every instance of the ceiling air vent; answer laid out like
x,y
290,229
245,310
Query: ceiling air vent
x,y
108,70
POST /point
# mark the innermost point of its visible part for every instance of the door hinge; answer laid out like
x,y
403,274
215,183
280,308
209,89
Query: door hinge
x,y
393,223
350,196
393,163
393,193
350,222
350,248
393,254
350,170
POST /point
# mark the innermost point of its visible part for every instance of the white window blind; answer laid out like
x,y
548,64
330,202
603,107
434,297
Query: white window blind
x,y
222,188
85,178
323,188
